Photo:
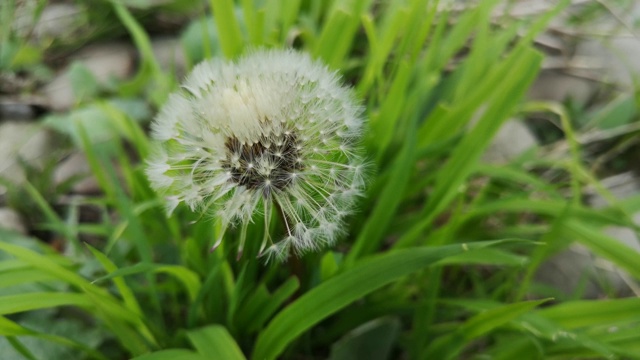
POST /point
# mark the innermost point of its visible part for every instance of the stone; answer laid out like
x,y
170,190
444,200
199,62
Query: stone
x,y
626,235
104,61
557,85
170,55
19,139
11,220
513,139
616,59
16,110
59,21
76,165
615,49
569,268
621,186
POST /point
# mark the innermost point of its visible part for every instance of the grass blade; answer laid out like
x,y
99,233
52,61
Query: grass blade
x,y
214,342
344,288
228,27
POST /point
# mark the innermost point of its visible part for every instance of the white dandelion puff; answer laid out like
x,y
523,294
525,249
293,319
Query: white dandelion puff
x,y
272,133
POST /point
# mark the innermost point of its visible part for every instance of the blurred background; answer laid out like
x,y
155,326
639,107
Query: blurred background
x,y
76,74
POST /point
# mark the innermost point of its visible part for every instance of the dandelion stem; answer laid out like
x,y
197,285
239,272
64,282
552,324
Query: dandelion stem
x,y
296,267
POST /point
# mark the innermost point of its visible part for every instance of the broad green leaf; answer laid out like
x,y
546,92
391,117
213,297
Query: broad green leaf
x,y
123,288
10,328
228,28
189,279
12,304
489,256
45,264
388,200
373,340
583,313
344,288
23,276
262,305
172,354
214,342
449,346
611,249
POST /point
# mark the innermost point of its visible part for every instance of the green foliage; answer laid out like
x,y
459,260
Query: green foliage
x,y
424,273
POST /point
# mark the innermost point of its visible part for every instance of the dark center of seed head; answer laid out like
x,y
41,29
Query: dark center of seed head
x,y
268,164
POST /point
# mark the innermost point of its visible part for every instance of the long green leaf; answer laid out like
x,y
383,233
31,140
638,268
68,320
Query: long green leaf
x,y
125,290
449,346
606,246
45,264
189,279
9,328
11,304
462,161
228,28
214,342
543,327
388,200
172,354
342,289
260,305
583,313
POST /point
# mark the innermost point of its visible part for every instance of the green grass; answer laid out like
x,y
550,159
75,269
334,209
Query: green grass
x,y
424,251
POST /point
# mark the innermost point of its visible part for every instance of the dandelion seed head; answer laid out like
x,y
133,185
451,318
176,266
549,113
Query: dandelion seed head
x,y
273,131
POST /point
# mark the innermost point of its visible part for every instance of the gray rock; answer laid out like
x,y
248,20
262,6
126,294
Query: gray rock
x,y
570,269
16,110
556,85
577,265
104,61
59,20
616,58
621,186
77,165
513,139
11,220
170,55
28,141
606,51
625,235
610,43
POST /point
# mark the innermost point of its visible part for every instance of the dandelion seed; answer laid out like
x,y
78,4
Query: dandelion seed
x,y
274,132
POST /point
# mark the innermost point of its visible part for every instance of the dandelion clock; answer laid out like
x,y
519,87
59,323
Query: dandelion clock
x,y
274,134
